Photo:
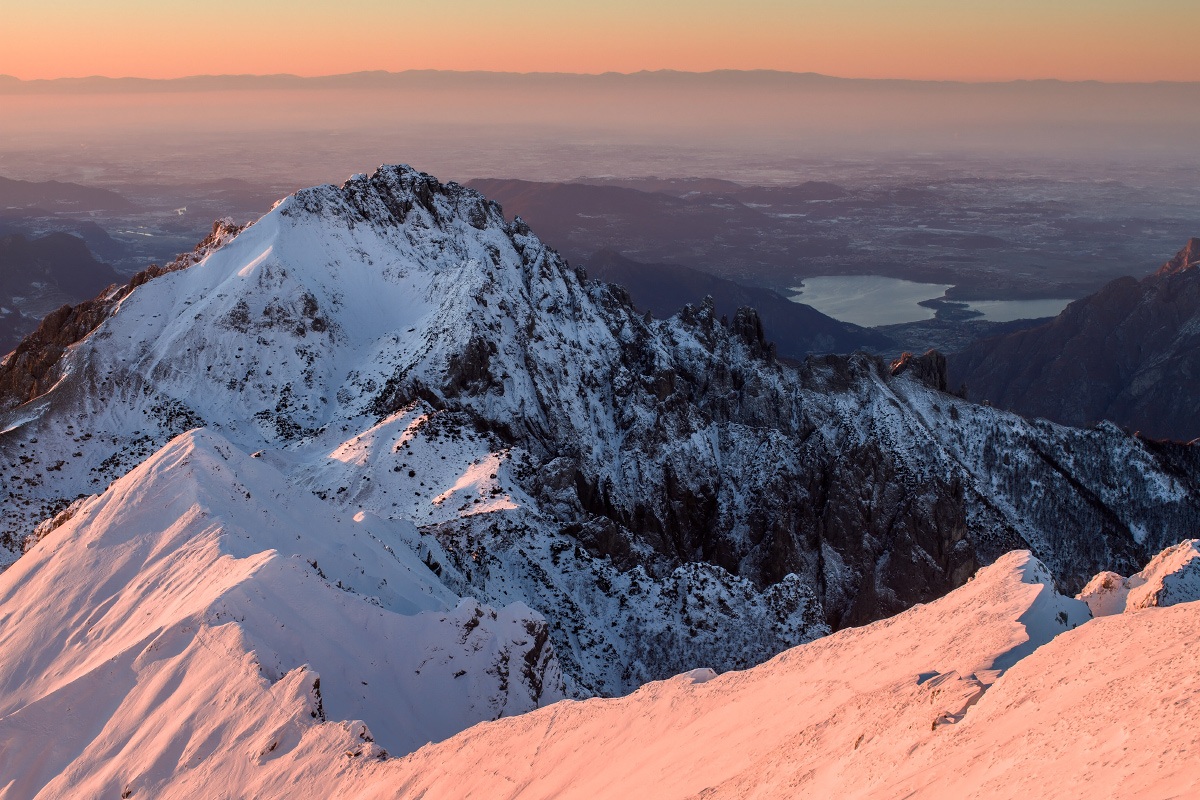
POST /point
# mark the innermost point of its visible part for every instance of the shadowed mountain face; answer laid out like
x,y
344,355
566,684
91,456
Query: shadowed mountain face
x,y
796,330
59,259
1129,353
37,275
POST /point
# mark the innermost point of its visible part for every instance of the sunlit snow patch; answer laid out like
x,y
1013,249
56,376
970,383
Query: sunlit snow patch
x,y
1171,577
476,490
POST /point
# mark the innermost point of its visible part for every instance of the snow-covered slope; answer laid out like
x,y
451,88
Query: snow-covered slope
x,y
663,492
833,718
1171,577
1001,689
201,613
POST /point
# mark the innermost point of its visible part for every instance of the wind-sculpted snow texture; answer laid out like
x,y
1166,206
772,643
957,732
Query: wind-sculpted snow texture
x,y
816,720
666,493
199,612
1171,577
1002,689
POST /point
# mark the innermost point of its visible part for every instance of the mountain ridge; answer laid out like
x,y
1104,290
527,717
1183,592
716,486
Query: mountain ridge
x,y
795,329
201,582
59,195
223,681
203,82
1128,353
660,491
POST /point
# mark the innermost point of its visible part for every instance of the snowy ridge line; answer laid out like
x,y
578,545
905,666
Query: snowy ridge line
x,y
202,575
1171,577
199,625
661,492
882,711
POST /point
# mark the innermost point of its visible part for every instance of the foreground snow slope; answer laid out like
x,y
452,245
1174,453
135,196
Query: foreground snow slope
x,y
203,630
907,707
201,616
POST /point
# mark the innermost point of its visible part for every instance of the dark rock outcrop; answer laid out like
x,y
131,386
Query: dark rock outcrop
x,y
796,329
31,368
929,369
1129,353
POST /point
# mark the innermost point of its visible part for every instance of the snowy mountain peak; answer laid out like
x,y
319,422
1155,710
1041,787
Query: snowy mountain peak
x,y
393,192
1186,259
1171,577
660,490
204,571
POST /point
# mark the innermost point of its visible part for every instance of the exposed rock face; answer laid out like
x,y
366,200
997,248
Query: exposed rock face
x,y
1129,353
31,368
930,368
665,493
1185,259
796,329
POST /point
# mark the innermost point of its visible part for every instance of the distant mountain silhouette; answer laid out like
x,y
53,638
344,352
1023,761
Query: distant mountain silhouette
x,y
797,330
58,260
1129,353
59,196
754,78
579,219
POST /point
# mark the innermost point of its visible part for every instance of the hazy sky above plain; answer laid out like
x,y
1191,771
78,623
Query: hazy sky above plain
x,y
1110,40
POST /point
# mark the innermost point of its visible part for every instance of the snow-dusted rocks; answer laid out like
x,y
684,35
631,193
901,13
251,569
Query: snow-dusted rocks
x,y
201,615
403,400
663,492
1171,577
1001,689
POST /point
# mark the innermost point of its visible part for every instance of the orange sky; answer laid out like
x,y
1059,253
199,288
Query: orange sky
x,y
1113,40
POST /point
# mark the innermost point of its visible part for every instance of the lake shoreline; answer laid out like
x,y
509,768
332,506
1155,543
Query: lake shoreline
x,y
875,301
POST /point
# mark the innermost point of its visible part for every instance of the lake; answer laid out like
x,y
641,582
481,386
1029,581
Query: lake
x,y
873,300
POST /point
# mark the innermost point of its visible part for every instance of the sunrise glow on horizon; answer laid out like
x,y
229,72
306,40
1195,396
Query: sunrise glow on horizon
x,y
1107,40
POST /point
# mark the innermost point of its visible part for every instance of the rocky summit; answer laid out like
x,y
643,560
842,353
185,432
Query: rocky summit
x,y
663,493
